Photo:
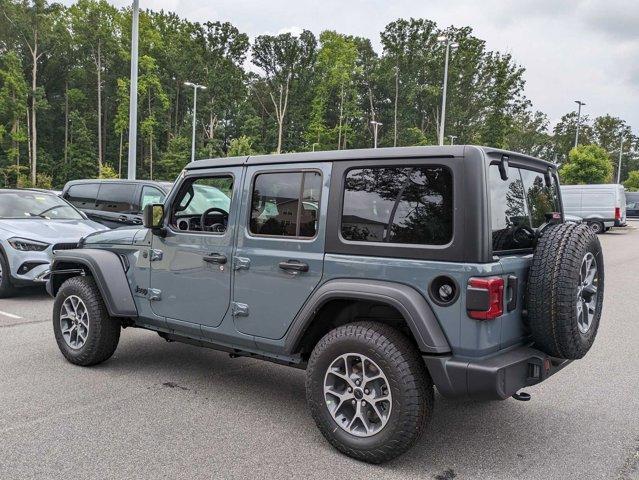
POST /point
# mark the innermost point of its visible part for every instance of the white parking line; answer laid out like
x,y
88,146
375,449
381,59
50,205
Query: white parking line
x,y
10,315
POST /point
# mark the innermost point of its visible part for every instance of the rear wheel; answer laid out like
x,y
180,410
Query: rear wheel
x,y
596,227
6,288
85,333
368,391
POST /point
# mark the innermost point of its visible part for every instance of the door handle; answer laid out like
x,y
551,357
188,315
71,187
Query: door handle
x,y
215,258
513,291
294,266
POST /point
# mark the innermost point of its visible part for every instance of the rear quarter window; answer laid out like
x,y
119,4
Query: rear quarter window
x,y
82,195
408,205
115,197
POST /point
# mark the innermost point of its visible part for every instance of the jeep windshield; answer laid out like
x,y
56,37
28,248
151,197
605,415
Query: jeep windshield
x,y
27,204
519,206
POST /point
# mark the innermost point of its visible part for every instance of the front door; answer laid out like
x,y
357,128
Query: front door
x,y
191,264
280,252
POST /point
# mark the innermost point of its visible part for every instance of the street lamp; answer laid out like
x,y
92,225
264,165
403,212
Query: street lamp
x,y
581,104
375,125
313,146
443,39
195,87
452,139
133,93
620,157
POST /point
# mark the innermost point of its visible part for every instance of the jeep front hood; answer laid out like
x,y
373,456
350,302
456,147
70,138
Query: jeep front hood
x,y
119,236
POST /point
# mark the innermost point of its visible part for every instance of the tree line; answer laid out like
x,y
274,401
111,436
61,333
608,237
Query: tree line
x,y
64,93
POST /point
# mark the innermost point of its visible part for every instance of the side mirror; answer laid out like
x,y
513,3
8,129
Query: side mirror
x,y
503,168
153,215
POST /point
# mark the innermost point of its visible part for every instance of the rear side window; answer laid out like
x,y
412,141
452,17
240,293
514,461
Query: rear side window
x,y
518,206
115,197
286,204
412,205
82,195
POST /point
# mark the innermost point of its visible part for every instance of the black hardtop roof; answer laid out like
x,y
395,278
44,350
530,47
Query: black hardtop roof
x,y
445,151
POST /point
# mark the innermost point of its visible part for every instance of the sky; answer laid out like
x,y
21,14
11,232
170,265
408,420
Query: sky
x,y
572,49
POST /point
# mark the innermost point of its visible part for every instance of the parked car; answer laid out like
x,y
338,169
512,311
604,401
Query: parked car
x,y
601,206
115,203
632,210
34,224
382,272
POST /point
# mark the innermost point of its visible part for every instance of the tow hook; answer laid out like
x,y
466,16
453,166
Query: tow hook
x,y
522,396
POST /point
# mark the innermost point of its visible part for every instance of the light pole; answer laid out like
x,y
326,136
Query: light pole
x,y
449,44
133,94
195,87
620,157
581,104
313,146
452,139
375,125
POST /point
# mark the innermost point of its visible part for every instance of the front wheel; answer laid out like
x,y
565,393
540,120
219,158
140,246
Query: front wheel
x,y
85,333
368,390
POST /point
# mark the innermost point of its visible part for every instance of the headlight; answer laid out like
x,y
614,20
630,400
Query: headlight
x,y
26,245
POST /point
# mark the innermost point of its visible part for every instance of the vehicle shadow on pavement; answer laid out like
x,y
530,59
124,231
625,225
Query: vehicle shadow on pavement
x,y
462,434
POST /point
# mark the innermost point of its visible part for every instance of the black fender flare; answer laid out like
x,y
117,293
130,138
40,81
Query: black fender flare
x,y
107,270
409,302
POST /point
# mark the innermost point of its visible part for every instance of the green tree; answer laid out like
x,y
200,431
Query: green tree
x,y
95,28
240,147
632,183
586,164
13,105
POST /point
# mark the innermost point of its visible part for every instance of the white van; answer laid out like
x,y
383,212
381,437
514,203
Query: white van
x,y
600,206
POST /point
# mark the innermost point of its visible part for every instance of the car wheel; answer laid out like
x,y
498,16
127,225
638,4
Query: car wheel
x,y
368,391
84,331
596,227
6,288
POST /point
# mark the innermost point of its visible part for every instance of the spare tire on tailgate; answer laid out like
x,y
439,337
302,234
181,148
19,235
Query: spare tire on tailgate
x,y
565,290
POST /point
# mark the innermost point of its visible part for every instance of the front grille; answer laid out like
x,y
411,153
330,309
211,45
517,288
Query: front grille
x,y
65,246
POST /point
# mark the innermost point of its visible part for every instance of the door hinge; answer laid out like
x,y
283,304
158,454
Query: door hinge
x,y
155,294
239,309
241,263
156,255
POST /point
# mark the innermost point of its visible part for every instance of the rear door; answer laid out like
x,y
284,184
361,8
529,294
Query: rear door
x,y
280,247
518,205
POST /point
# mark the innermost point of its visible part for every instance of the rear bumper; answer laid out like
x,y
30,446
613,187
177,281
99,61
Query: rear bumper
x,y
496,377
620,223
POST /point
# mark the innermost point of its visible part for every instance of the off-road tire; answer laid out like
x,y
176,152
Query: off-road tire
x,y
104,331
6,288
410,385
552,291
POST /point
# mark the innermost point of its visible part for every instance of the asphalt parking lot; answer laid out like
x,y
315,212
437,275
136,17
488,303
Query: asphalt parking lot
x,y
166,410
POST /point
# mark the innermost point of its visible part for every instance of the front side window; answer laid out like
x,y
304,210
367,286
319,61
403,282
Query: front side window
x,y
519,206
412,205
286,204
203,205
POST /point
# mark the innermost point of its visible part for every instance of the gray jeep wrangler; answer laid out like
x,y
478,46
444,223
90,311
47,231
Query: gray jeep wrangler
x,y
384,273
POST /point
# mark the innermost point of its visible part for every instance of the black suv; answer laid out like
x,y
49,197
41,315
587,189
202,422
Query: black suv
x,y
115,203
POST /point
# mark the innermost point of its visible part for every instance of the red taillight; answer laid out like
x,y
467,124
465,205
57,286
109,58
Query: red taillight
x,y
617,213
485,298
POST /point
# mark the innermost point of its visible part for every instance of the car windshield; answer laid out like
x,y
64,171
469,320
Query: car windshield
x,y
36,205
